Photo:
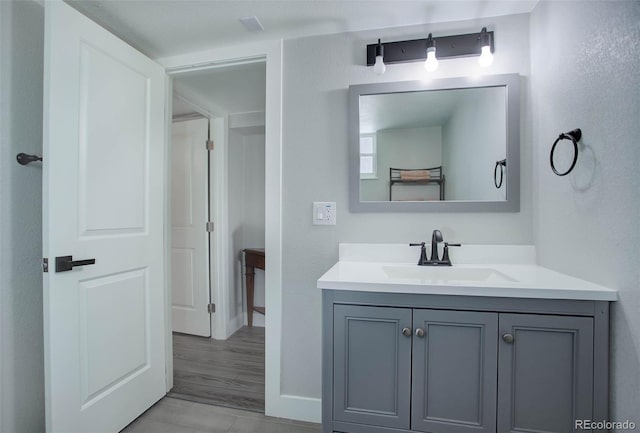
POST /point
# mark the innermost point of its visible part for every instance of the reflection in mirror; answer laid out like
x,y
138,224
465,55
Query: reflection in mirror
x,y
432,145
442,145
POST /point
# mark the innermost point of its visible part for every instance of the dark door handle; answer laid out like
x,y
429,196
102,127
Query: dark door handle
x,y
66,263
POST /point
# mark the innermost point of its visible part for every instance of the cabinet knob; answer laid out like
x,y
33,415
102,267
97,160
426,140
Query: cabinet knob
x,y
419,332
507,338
406,332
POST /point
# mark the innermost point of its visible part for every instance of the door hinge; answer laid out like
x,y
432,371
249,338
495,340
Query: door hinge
x,y
210,226
209,144
211,308
45,264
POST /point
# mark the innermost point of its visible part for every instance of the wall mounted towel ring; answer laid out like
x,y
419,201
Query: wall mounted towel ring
x,y
502,164
24,158
574,136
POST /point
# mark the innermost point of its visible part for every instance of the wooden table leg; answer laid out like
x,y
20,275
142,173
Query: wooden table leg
x,y
249,276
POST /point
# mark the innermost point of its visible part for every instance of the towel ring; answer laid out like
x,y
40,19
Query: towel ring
x,y
500,164
574,136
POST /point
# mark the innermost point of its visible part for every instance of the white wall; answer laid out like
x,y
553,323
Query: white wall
x,y
584,74
472,141
21,339
246,213
317,73
235,186
404,148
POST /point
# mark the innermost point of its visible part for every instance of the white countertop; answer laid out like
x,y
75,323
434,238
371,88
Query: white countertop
x,y
495,271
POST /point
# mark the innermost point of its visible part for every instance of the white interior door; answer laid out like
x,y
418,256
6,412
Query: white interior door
x,y
189,238
103,199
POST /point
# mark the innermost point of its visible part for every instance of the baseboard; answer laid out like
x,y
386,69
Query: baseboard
x,y
295,407
258,319
234,324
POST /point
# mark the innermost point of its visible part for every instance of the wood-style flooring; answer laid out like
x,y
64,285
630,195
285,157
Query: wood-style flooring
x,y
171,415
226,373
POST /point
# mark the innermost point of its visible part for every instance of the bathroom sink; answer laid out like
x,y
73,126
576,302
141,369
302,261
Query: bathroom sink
x,y
505,271
446,274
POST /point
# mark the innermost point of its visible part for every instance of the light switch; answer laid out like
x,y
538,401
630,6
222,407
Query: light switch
x,y
324,213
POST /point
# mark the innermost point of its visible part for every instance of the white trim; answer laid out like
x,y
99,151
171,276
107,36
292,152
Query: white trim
x,y
168,320
236,323
219,243
224,56
276,404
302,408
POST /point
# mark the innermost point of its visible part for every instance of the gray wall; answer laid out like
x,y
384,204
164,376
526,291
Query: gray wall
x,y
404,148
584,73
592,211
246,211
472,141
317,73
21,340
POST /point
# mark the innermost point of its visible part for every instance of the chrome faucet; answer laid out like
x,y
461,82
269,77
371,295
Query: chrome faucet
x,y
436,238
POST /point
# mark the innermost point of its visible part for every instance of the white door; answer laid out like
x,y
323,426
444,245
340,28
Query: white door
x,y
189,238
103,199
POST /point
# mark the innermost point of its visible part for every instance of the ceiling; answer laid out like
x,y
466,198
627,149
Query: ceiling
x,y
415,109
161,28
224,90
180,107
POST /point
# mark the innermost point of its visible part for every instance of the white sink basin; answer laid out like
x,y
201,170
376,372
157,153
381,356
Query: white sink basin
x,y
507,271
446,274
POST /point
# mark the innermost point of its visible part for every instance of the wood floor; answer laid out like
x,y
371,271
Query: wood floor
x,y
171,415
226,373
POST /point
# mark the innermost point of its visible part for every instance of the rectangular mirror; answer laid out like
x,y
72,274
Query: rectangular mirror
x,y
447,145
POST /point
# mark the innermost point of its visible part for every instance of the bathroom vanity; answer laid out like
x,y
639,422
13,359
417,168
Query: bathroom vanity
x,y
492,344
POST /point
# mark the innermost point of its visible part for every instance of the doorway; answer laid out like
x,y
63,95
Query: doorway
x,y
224,107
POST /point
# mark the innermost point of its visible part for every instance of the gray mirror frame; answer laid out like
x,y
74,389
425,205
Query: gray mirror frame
x,y
512,202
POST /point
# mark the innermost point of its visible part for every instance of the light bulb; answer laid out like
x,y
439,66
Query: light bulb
x,y
486,58
379,66
431,64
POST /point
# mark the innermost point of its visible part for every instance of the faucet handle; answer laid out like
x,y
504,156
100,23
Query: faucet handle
x,y
423,253
445,255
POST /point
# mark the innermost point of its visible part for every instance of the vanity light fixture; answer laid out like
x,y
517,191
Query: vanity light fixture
x,y
467,45
486,58
431,64
379,66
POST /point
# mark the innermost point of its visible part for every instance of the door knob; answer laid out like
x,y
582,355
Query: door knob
x,y
507,338
66,263
419,332
406,332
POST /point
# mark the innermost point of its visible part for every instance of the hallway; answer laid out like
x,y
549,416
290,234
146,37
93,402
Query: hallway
x,y
226,373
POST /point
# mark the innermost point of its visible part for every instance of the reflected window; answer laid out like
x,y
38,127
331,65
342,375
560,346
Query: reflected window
x,y
368,159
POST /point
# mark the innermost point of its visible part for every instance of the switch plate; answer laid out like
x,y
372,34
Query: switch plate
x,y
324,213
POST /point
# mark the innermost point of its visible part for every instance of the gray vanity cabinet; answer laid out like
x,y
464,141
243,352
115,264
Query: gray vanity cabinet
x,y
546,372
446,364
454,371
372,376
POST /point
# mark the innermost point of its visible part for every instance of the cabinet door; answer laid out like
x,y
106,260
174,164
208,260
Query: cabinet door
x,y
454,371
545,372
372,365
